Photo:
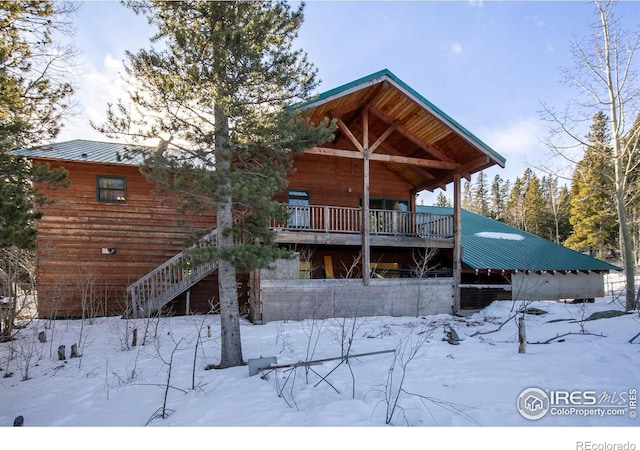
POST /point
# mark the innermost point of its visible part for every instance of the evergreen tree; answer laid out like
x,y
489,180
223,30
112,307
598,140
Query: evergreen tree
x,y
467,199
515,212
33,96
220,96
443,200
480,195
592,211
534,218
498,194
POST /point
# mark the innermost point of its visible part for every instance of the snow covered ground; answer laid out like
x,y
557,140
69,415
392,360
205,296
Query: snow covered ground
x,y
415,380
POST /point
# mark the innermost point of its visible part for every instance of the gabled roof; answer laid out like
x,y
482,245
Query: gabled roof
x,y
419,129
80,150
411,136
491,245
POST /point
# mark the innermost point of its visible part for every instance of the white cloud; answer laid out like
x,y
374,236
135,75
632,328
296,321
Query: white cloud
x,y
456,48
518,138
95,88
537,21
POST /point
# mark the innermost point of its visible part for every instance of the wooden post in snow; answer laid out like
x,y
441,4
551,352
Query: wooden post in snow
x,y
522,336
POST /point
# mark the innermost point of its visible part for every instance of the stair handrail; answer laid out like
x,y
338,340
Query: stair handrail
x,y
137,302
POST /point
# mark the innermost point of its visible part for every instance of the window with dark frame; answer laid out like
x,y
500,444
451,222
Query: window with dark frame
x,y
110,189
299,202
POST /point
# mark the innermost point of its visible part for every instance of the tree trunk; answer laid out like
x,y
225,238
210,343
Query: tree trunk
x,y
628,258
522,336
231,349
616,105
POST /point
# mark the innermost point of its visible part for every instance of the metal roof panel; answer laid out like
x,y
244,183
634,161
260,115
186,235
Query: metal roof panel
x,y
491,245
82,150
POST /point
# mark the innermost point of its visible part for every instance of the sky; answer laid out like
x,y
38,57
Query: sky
x,y
491,65
462,396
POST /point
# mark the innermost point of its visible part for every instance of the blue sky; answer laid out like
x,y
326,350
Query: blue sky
x,y
488,64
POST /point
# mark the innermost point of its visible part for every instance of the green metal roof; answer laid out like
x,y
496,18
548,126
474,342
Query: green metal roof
x,y
387,75
491,245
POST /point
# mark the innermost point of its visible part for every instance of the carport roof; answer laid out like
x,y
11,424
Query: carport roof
x,y
489,245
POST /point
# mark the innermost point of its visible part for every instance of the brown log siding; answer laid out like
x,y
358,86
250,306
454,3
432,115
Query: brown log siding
x,y
146,231
328,181
76,227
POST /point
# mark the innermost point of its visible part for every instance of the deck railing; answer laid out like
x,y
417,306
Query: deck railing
x,y
344,220
173,277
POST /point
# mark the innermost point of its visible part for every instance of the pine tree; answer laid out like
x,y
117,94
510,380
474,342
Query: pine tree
x,y
443,200
498,194
480,195
515,212
467,198
534,219
33,101
592,211
220,94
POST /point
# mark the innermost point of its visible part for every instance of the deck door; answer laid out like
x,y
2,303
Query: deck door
x,y
299,203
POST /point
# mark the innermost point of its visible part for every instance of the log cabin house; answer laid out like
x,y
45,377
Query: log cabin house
x,y
109,244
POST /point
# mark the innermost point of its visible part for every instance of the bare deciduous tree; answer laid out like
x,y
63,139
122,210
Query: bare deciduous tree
x,y
605,76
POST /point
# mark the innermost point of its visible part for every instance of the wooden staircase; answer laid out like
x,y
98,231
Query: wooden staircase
x,y
173,277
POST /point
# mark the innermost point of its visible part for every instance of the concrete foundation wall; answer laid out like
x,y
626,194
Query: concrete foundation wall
x,y
297,299
556,286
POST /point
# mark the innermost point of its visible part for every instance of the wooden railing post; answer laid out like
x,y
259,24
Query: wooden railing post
x,y
327,224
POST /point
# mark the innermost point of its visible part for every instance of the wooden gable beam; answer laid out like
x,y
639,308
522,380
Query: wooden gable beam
x,y
361,105
384,135
472,166
347,132
429,163
393,155
406,133
423,172
341,153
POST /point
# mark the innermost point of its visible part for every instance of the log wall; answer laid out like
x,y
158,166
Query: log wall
x,y
329,179
73,270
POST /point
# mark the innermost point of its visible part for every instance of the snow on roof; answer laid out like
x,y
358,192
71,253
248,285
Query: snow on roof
x,y
494,235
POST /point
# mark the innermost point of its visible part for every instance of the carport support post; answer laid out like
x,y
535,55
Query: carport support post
x,y
366,250
457,250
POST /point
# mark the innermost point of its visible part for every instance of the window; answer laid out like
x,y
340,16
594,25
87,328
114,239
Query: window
x,y
388,204
299,202
111,189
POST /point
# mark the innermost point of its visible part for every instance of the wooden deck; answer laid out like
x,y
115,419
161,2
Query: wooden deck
x,y
334,225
